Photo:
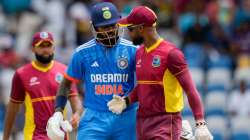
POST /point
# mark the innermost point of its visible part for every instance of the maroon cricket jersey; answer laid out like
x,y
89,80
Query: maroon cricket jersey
x,y
37,88
161,73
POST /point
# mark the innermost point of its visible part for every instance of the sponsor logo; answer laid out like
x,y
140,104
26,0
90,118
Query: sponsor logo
x,y
108,78
95,64
106,13
34,81
138,63
103,82
108,89
156,61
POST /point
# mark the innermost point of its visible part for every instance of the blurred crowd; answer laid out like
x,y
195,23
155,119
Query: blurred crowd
x,y
213,34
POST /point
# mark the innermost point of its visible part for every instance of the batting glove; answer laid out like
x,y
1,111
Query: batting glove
x,y
186,131
117,104
202,132
56,127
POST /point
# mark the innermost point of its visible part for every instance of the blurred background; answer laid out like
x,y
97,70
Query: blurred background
x,y
213,34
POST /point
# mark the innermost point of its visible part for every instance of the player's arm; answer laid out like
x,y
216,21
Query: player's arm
x,y
73,75
62,94
56,121
75,102
133,96
16,99
178,67
12,110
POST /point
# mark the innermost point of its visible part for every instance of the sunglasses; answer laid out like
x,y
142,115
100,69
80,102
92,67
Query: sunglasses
x,y
132,27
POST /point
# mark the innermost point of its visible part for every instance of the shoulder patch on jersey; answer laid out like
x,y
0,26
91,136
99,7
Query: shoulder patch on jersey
x,y
59,77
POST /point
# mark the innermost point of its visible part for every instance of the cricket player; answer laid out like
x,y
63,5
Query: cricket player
x,y
161,73
106,64
35,85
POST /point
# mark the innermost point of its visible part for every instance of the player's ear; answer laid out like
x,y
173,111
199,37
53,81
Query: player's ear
x,y
33,49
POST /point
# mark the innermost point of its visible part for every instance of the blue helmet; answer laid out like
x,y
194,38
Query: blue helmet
x,y
104,18
104,13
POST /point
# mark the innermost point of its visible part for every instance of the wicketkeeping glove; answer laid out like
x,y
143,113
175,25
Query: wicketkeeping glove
x,y
117,104
56,127
202,132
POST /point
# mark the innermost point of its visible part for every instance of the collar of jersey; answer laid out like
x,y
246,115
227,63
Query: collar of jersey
x,y
154,46
42,69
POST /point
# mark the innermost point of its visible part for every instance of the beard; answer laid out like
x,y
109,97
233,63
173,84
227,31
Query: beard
x,y
138,40
44,60
109,42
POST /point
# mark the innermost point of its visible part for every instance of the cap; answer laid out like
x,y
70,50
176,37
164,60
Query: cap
x,y
139,15
104,13
41,37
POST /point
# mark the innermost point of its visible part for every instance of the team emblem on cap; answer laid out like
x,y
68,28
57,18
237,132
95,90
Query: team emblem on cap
x,y
122,63
106,13
59,77
44,35
156,61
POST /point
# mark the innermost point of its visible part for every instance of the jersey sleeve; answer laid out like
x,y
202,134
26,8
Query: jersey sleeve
x,y
75,68
178,67
17,90
73,90
133,96
176,62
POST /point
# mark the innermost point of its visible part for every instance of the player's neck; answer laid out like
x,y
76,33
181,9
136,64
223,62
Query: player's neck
x,y
151,39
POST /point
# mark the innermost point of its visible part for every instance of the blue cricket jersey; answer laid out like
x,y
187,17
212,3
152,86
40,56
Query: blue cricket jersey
x,y
105,71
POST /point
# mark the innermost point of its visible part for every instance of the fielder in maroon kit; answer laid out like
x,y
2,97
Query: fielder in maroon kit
x,y
35,84
161,73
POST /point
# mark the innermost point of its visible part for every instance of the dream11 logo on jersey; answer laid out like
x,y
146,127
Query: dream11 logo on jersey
x,y
105,88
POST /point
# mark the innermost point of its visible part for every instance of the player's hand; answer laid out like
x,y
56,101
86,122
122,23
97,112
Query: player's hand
x,y
75,119
186,132
117,104
202,132
56,127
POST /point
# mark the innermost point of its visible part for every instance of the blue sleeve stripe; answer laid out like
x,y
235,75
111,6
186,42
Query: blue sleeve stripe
x,y
88,43
84,47
131,45
126,41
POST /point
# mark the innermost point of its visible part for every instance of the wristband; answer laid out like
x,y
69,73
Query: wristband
x,y
197,124
60,102
126,101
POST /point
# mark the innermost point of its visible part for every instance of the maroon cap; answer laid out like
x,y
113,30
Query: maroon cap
x,y
139,15
41,37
